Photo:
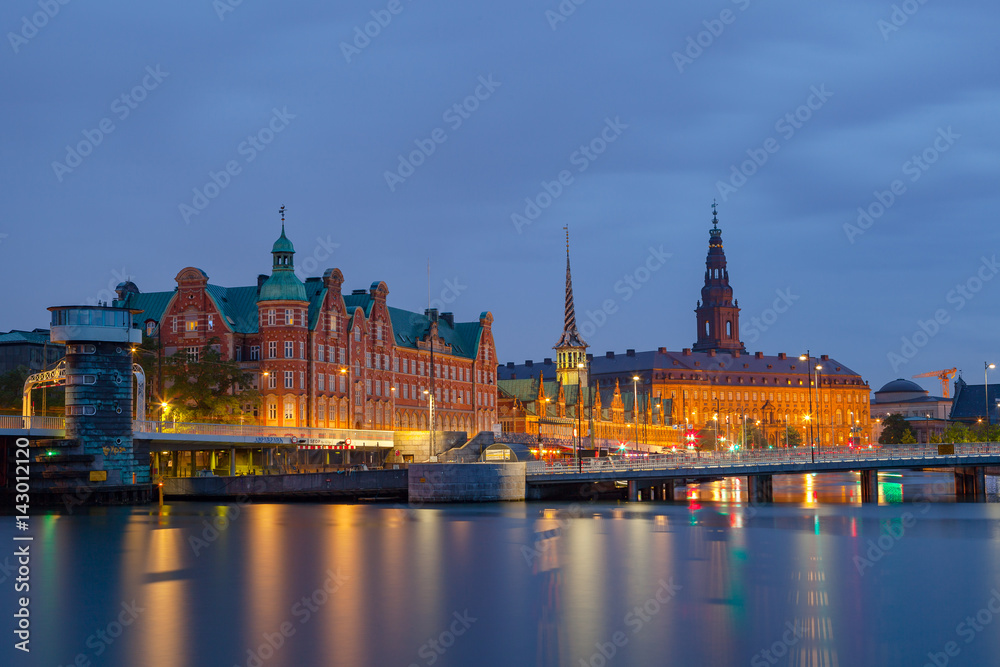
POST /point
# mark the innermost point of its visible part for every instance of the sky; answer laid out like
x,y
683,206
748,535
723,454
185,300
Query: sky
x,y
853,149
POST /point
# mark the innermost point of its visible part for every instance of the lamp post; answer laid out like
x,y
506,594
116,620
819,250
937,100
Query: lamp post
x,y
579,414
786,431
635,408
987,367
819,422
807,357
430,410
715,420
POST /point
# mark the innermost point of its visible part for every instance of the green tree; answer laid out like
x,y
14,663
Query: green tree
x,y
894,429
957,432
908,438
794,437
12,390
211,389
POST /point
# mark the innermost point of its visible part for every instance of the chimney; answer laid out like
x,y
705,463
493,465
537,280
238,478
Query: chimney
x,y
758,355
548,361
711,353
825,357
609,355
782,356
261,279
510,364
736,353
662,350
430,313
449,318
687,351
529,363
629,353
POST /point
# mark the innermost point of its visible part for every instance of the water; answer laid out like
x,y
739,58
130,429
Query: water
x,y
702,581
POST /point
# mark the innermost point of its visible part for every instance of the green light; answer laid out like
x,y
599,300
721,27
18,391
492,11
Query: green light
x,y
51,453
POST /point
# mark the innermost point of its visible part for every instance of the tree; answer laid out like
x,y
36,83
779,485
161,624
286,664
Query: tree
x,y
895,430
956,433
210,389
794,437
12,390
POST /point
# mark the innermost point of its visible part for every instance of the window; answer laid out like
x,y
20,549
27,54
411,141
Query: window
x,y
378,331
289,380
289,410
289,349
239,353
272,381
343,355
321,412
302,350
395,364
332,322
272,349
193,354
302,379
357,333
386,385
378,361
405,364
378,388
319,352
321,379
343,383
272,411
368,387
192,324
368,359
406,393
270,317
211,322
421,368
289,316
173,324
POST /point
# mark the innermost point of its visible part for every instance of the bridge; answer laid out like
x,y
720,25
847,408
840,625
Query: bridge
x,y
655,476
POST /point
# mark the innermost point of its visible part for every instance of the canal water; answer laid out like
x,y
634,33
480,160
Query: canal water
x,y
814,580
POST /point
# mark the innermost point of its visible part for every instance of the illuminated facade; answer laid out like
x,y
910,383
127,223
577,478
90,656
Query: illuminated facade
x,y
322,358
716,386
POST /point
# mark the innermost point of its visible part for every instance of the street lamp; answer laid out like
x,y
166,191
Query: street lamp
x,y
819,422
635,408
807,357
430,411
986,387
579,415
715,419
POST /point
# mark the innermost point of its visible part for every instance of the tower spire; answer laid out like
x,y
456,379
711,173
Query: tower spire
x,y
571,349
718,315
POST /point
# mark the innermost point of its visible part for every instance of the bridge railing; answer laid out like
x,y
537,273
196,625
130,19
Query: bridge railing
x,y
754,457
26,423
255,431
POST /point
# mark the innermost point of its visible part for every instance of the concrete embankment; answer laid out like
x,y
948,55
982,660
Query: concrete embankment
x,y
466,482
345,485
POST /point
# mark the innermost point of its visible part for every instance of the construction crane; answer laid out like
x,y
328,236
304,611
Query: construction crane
x,y
945,377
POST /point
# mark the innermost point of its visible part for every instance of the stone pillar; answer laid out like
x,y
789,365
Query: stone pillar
x,y
232,461
633,491
869,486
970,484
760,489
668,489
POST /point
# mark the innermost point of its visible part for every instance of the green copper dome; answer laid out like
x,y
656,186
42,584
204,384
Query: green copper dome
x,y
282,286
283,244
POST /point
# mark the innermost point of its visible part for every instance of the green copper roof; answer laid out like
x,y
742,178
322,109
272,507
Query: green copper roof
x,y
283,286
282,244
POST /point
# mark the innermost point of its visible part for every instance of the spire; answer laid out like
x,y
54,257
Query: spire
x,y
717,311
570,335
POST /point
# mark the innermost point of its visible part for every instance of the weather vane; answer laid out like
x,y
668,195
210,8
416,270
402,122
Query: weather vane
x,y
282,212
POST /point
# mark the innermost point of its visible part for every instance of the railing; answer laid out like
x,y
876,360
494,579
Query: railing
x,y
255,431
753,457
26,423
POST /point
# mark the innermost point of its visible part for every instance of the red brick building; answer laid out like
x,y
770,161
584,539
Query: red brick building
x,y
322,358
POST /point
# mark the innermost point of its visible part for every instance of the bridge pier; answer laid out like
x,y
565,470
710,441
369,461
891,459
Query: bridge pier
x,y
970,484
668,489
232,462
869,486
633,491
760,489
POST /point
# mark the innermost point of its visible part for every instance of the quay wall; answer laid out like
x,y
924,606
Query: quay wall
x,y
466,482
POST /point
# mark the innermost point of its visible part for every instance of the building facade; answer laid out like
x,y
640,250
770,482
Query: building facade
x,y
926,414
716,386
323,358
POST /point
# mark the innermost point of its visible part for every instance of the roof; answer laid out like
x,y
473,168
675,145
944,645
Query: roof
x,y
971,401
36,336
699,362
283,285
409,327
283,244
526,391
152,305
901,385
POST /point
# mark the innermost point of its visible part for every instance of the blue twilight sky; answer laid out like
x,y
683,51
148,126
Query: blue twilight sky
x,y
623,120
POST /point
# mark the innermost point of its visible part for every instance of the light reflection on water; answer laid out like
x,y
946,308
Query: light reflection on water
x,y
816,579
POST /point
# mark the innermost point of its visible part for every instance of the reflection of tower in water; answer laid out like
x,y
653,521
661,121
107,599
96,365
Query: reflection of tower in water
x,y
545,566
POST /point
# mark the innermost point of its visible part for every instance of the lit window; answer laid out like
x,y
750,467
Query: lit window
x,y
272,411
289,316
192,325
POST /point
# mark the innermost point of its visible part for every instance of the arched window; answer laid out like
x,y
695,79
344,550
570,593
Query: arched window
x,y
707,332
729,329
